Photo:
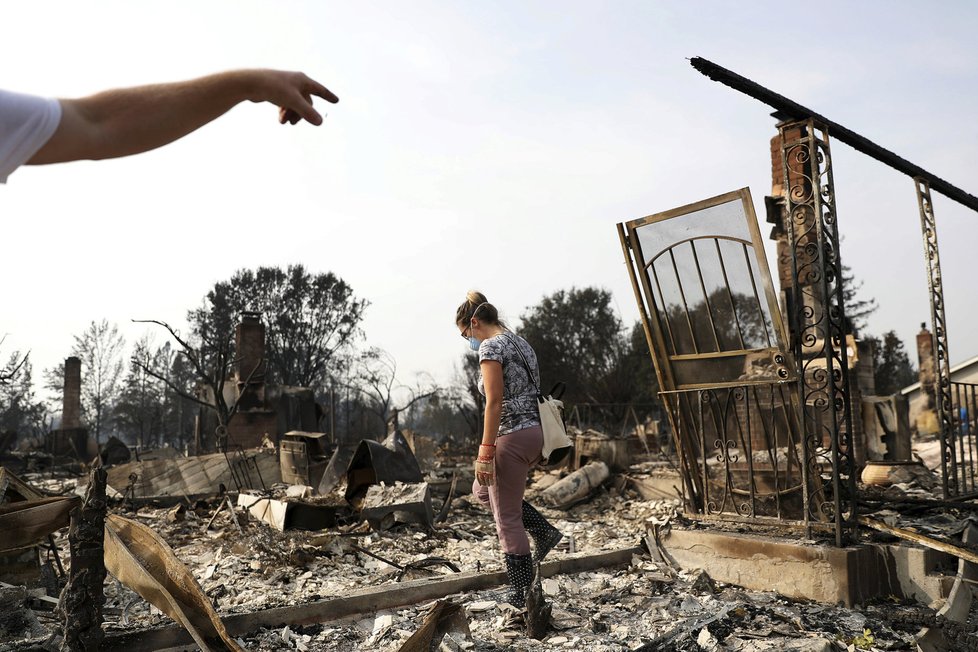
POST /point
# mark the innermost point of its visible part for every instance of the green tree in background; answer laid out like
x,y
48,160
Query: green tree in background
x,y
858,309
100,348
20,411
309,319
311,322
637,369
179,412
139,410
9,371
577,337
580,340
155,406
893,368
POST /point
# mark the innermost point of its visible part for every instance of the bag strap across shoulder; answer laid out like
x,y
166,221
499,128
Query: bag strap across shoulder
x,y
529,372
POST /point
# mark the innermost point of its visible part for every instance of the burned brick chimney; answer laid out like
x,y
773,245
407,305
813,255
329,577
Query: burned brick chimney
x,y
927,366
249,344
71,410
926,415
71,439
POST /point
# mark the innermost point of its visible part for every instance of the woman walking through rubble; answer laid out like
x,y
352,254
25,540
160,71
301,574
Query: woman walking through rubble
x,y
512,439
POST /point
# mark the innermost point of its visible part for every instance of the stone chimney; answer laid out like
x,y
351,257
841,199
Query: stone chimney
x,y
249,344
927,365
71,410
926,414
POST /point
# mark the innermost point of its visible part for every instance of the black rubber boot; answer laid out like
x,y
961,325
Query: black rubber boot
x,y
545,536
519,570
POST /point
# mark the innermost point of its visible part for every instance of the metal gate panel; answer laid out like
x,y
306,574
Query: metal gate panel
x,y
719,347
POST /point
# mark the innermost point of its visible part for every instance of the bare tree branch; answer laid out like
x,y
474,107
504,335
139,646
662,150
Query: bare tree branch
x,y
8,374
213,374
166,381
417,398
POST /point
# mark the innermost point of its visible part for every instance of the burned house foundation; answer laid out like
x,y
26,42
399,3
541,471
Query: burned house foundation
x,y
822,573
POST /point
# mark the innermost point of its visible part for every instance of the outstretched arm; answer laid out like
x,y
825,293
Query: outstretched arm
x,y
133,120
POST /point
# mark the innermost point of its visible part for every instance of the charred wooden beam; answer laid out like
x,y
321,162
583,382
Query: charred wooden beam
x,y
368,600
82,598
787,108
446,616
538,610
916,537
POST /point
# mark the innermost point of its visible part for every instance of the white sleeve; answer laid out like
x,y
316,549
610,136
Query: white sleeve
x,y
26,123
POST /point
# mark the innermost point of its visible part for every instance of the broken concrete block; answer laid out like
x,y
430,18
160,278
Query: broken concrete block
x,y
702,582
381,625
383,506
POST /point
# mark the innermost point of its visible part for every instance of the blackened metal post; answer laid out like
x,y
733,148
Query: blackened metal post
x,y
942,388
790,109
819,325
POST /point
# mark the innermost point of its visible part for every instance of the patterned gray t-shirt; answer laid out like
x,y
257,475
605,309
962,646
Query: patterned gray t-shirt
x,y
520,408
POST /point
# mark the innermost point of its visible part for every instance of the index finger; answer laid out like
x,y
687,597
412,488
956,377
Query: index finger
x,y
321,91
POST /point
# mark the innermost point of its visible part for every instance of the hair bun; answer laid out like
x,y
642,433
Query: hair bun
x,y
476,305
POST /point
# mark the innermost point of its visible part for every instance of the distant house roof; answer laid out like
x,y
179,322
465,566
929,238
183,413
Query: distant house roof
x,y
961,366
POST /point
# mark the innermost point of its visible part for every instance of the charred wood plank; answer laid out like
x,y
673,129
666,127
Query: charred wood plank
x,y
444,617
788,108
368,600
916,537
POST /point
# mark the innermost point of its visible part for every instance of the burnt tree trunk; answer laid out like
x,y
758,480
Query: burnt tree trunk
x,y
81,603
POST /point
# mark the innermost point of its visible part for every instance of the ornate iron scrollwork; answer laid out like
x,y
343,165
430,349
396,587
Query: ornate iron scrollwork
x,y
942,388
818,321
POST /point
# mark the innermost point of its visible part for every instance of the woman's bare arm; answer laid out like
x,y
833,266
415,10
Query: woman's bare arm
x,y
492,382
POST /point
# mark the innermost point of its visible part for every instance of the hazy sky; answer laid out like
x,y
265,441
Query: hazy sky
x,y
492,145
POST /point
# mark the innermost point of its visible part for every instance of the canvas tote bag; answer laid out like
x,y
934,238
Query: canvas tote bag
x,y
556,444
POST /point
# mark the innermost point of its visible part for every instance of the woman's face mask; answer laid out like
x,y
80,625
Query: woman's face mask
x,y
473,342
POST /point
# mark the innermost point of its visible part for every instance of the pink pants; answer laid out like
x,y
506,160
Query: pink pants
x,y
516,453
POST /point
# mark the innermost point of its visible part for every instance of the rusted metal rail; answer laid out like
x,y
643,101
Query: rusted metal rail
x,y
791,109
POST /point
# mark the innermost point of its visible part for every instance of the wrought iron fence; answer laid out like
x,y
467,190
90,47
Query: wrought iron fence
x,y
961,447
761,426
750,460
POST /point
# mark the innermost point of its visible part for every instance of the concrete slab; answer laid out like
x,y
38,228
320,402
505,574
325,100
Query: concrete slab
x,y
803,570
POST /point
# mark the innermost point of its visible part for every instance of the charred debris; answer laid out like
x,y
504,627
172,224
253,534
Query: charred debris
x,y
780,503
